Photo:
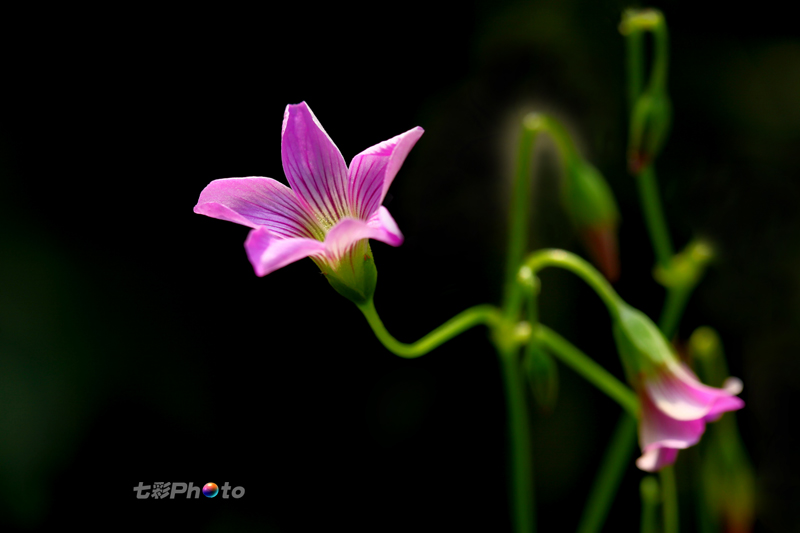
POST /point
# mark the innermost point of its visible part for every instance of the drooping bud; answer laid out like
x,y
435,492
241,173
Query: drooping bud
x,y
354,275
590,204
651,113
649,128
543,376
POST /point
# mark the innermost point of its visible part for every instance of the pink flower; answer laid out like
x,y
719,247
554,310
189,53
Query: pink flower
x,y
675,406
329,212
675,409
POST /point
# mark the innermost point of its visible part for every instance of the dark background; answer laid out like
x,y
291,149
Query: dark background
x,y
136,343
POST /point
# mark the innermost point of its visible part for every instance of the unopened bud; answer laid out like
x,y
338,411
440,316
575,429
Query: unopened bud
x,y
590,204
542,376
650,124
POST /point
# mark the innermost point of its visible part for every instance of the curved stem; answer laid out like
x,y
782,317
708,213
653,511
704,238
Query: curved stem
x,y
520,461
561,258
479,314
586,367
615,461
658,75
532,125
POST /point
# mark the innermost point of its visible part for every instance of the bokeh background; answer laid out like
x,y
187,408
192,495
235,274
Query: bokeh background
x,y
136,344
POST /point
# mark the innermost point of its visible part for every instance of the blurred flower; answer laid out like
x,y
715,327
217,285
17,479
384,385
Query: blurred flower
x,y
675,405
329,212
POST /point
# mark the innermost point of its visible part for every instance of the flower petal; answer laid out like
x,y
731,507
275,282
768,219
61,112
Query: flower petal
x,y
268,253
657,458
679,394
313,165
258,202
348,231
373,170
723,405
387,227
658,430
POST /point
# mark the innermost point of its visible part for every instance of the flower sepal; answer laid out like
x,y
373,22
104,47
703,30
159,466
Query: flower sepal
x,y
354,275
642,347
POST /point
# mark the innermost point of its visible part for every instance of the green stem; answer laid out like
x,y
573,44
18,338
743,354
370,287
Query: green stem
x,y
586,367
518,221
649,491
520,460
616,460
479,314
658,75
634,44
669,492
532,125
561,258
654,215
673,310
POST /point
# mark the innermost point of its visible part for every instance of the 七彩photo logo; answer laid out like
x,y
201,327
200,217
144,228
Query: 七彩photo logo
x,y
161,490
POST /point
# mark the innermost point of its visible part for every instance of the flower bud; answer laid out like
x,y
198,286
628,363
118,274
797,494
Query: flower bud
x,y
650,124
543,377
686,267
590,204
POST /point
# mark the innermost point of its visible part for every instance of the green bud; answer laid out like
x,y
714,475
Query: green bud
x,y
543,376
685,268
650,124
589,202
355,275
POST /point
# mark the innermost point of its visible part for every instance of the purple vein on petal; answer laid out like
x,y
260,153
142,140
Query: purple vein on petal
x,y
373,170
313,164
257,201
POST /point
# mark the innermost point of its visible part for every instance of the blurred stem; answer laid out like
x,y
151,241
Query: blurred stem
x,y
518,219
654,215
673,309
532,125
586,367
649,491
658,75
634,45
615,462
474,316
520,461
669,492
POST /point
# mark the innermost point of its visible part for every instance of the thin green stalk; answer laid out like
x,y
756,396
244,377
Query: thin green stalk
x,y
669,493
586,367
654,215
518,221
474,316
658,76
673,310
561,258
616,460
650,496
635,64
520,461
